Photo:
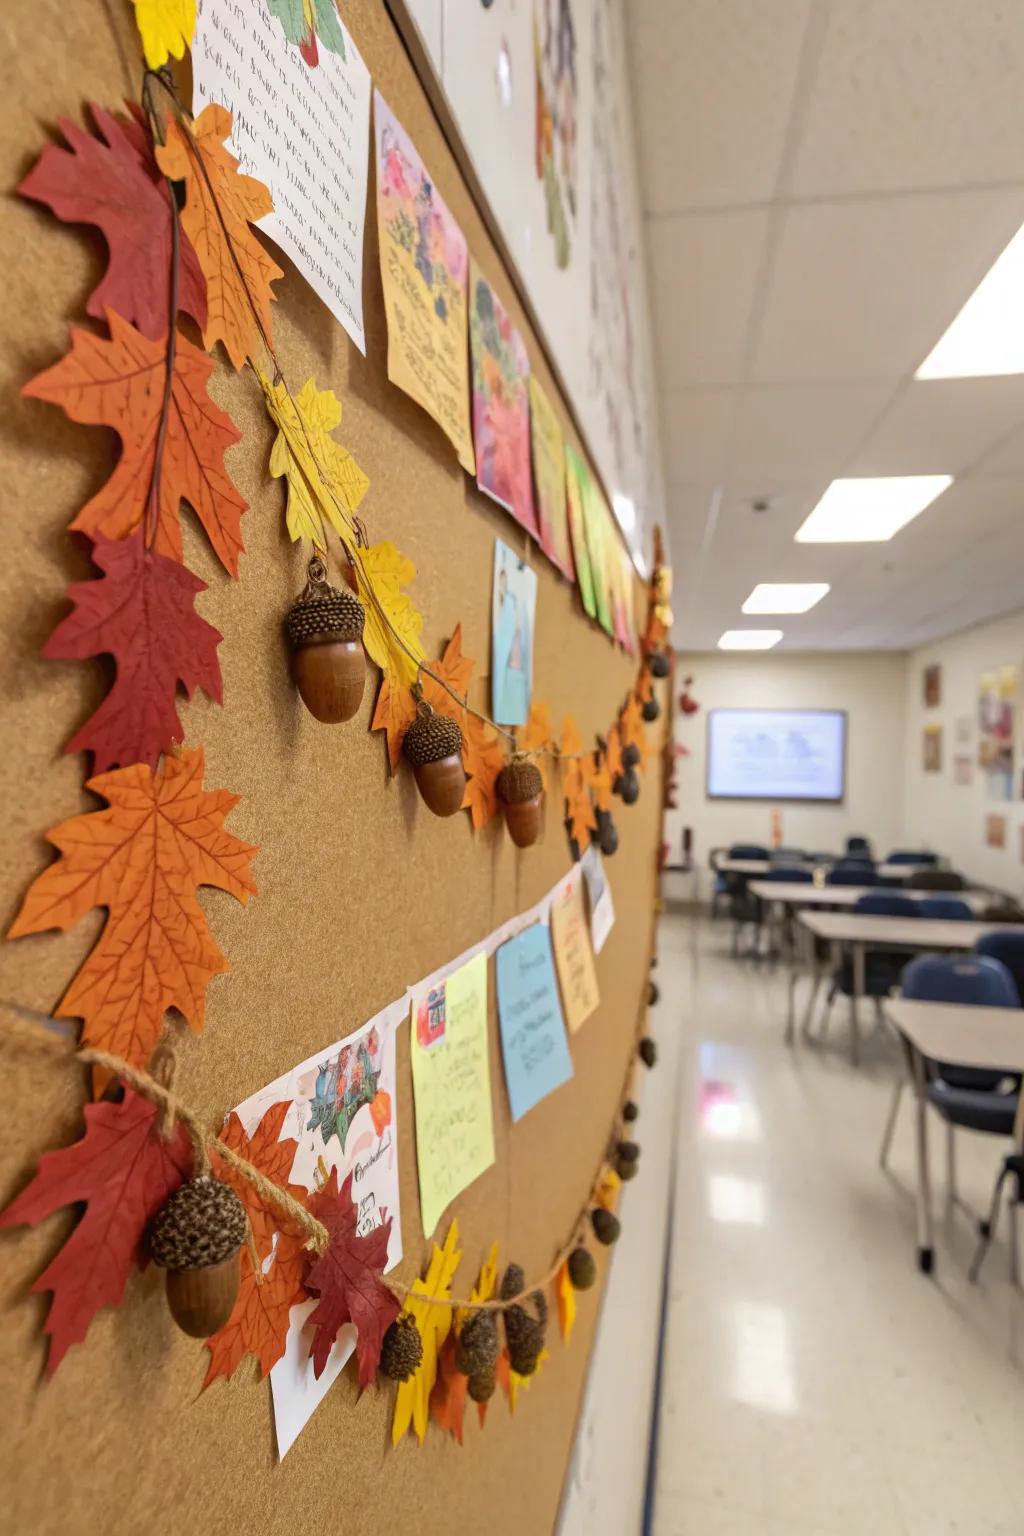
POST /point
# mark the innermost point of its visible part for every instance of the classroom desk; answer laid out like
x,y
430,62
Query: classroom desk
x,y
971,1037
859,931
798,894
755,867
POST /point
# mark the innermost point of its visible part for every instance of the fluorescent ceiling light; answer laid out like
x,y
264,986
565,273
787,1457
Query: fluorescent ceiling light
x,y
749,639
785,596
987,336
869,510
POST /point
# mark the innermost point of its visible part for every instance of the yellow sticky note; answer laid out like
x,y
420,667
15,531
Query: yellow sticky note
x,y
451,1080
574,958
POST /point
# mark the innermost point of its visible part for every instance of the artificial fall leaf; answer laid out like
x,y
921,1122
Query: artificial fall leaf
x,y
483,757
258,1324
274,1159
166,27
536,737
645,685
143,858
631,722
613,752
324,480
570,742
348,1279
451,1389
579,807
565,1294
512,1382
395,711
141,612
220,205
108,179
123,1171
412,1400
119,383
454,669
382,571
606,1193
601,784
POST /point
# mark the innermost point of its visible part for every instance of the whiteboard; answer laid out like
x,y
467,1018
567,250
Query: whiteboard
x,y
544,82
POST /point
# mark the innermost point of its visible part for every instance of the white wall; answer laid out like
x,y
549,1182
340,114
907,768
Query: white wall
x,y
871,687
949,815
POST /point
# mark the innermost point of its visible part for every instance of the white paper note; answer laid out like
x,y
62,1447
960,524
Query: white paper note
x,y
599,897
304,131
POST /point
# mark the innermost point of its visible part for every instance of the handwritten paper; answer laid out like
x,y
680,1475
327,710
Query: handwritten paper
x,y
577,478
534,1045
343,1105
304,132
424,268
451,1080
574,957
597,520
548,447
599,897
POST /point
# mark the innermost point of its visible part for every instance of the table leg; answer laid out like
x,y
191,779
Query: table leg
x,y
925,1243
794,962
856,993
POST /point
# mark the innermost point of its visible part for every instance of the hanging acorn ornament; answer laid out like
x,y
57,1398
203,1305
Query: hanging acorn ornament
x,y
520,789
433,744
630,755
197,1237
401,1350
647,1051
606,1225
627,786
524,1331
476,1355
582,1269
574,847
605,834
658,663
630,1110
325,631
650,709
653,992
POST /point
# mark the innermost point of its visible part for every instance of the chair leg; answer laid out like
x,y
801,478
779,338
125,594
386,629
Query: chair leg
x,y
951,1196
890,1124
1015,1235
987,1226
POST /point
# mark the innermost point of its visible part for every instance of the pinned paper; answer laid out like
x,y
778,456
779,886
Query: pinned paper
x,y
451,1081
513,610
534,1045
600,532
305,133
501,405
574,957
599,897
424,268
577,478
548,447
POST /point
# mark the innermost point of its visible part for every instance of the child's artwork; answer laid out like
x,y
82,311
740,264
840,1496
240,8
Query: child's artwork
x,y
963,769
343,1103
424,268
623,597
931,749
599,897
574,957
997,715
577,478
501,403
557,109
995,831
451,1079
513,610
600,532
548,447
534,1045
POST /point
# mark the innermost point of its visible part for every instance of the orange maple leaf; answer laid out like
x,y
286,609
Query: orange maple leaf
x,y
395,711
601,784
450,1391
220,205
272,1157
613,752
118,382
258,1325
143,858
634,732
454,669
579,808
484,757
537,735
570,740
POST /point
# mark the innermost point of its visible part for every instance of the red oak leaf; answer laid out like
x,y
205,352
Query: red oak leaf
x,y
110,180
259,1323
124,1172
141,613
119,383
347,1279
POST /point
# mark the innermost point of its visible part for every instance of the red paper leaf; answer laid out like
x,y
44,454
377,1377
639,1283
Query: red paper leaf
x,y
141,613
347,1278
110,180
119,383
124,1172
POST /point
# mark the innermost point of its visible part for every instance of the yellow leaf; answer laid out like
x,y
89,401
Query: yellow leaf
x,y
412,1400
606,1195
324,480
485,1286
515,1381
166,27
381,573
566,1294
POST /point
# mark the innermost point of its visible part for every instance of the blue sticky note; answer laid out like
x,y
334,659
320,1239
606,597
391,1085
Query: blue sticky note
x,y
534,1044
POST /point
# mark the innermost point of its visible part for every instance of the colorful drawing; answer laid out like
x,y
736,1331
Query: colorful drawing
x,y
501,405
548,446
997,720
431,1018
424,265
513,614
557,106
343,1086
931,749
995,831
577,477
304,21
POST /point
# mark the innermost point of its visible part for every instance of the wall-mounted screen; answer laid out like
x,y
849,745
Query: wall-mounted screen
x,y
776,754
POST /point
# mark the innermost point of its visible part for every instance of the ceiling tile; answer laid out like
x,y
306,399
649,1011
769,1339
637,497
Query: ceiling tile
x,y
912,95
941,426
1006,459
863,290
704,270
695,425
713,81
801,431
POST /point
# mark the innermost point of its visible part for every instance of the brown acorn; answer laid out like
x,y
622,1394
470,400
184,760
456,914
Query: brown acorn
x,y
629,1151
433,744
650,709
605,834
630,755
482,1383
325,632
524,1333
197,1236
627,785
630,1110
606,1225
401,1351
582,1269
658,663
627,1168
653,993
521,791
478,1348
647,1051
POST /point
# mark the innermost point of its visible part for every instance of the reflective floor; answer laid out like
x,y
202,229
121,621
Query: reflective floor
x,y
814,1383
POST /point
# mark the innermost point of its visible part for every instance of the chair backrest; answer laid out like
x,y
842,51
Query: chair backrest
x,y
907,856
852,874
886,904
976,979
1003,909
858,845
1008,948
944,906
790,874
787,856
936,880
747,851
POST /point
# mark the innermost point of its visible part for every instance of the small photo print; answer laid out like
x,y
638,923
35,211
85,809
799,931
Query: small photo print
x,y
513,611
995,831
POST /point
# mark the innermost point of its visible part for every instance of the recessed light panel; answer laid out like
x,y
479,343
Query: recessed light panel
x,y
785,596
987,336
749,639
869,510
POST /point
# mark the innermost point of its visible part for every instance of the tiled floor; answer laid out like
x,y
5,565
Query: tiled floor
x,y
815,1384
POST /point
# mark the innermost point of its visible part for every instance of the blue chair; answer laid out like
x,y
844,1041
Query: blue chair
x,y
944,907
887,904
748,851
907,856
791,874
852,874
1009,948
882,967
858,845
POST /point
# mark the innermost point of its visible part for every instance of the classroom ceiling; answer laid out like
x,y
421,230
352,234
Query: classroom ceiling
x,y
824,186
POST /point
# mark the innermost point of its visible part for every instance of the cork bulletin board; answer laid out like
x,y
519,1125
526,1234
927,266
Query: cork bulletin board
x,y
361,890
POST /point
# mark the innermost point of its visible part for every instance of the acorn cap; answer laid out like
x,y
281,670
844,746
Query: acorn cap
x,y
431,737
606,1225
322,613
630,1150
402,1349
648,1051
202,1223
582,1269
630,1110
519,781
477,1349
